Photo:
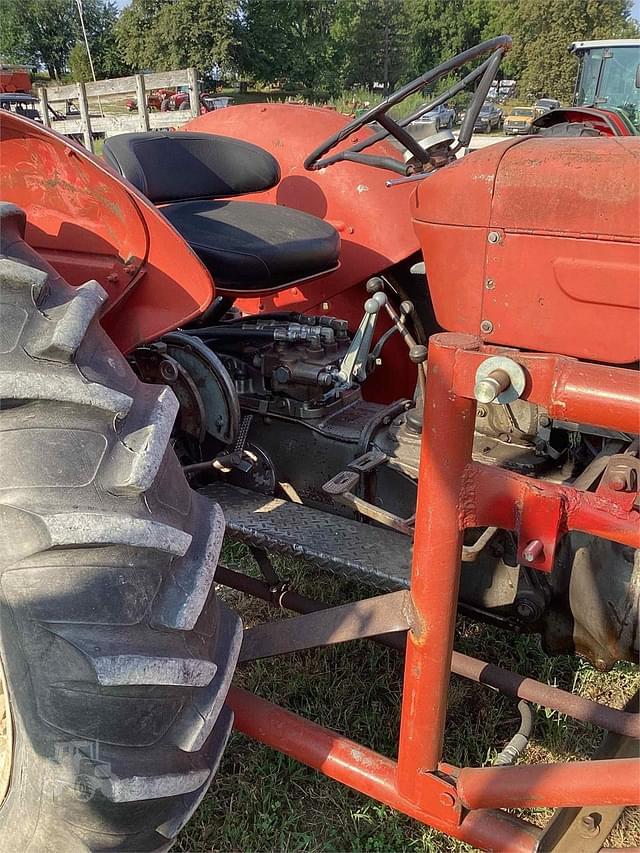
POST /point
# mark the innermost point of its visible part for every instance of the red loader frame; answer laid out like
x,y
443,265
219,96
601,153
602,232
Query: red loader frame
x,y
456,493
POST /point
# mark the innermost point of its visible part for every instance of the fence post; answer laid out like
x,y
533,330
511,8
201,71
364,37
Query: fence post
x,y
44,106
141,98
194,91
84,115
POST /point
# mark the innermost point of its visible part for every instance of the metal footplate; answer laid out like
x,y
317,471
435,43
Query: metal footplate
x,y
349,548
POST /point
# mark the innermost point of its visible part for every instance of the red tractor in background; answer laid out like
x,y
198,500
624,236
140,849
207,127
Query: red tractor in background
x,y
420,373
15,78
167,99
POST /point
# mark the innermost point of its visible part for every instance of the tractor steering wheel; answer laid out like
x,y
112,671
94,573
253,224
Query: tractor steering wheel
x,y
486,71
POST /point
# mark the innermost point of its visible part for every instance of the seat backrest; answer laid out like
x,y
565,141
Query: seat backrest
x,y
178,166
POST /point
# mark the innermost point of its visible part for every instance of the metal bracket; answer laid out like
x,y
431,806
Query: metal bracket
x,y
538,530
620,481
382,614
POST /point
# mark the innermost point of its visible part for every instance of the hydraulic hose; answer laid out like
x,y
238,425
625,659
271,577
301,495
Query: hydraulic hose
x,y
218,333
519,742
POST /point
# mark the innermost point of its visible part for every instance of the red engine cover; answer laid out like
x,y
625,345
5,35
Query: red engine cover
x,y
535,243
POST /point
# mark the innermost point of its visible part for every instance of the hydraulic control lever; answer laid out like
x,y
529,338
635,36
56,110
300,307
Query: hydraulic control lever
x,y
353,366
356,362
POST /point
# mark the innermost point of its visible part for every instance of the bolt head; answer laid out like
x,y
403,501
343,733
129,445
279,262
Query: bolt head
x,y
486,390
494,237
486,326
447,799
533,550
618,484
526,610
590,825
489,284
168,371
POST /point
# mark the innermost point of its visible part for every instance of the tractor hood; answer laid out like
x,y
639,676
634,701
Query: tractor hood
x,y
536,244
90,224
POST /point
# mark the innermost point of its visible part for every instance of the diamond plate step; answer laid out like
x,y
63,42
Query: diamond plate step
x,y
348,548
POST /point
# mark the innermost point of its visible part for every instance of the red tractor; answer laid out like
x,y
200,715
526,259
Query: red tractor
x,y
15,78
418,373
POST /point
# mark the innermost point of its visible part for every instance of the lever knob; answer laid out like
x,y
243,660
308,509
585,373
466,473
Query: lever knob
x,y
375,285
373,305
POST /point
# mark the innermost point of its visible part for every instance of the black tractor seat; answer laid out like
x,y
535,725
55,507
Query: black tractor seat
x,y
246,246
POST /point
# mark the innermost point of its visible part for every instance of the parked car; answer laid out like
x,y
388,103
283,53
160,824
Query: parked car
x,y
24,105
29,106
489,118
216,102
441,117
519,121
545,105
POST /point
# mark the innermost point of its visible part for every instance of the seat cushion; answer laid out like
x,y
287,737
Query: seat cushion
x,y
249,246
168,166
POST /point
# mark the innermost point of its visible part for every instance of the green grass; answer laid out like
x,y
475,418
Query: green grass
x,y
263,801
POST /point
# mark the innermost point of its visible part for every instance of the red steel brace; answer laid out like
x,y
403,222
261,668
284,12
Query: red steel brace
x,y
455,493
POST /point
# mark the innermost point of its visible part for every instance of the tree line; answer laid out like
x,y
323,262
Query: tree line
x,y
321,45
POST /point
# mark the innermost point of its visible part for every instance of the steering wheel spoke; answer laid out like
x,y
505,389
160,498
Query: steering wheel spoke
x,y
466,129
321,158
404,137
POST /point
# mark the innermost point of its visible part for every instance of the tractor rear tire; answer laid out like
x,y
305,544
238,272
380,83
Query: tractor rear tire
x,y
569,128
117,654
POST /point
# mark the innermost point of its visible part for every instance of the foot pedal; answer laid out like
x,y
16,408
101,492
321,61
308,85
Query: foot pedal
x,y
342,483
368,461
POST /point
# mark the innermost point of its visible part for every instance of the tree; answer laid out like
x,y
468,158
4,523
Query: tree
x,y
288,41
210,43
48,29
136,33
14,45
167,34
371,40
440,29
100,18
47,32
79,65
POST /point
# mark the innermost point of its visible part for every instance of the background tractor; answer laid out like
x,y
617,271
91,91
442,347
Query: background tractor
x,y
607,90
407,371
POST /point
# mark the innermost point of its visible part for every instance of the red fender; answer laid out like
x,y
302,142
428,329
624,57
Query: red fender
x,y
90,224
608,122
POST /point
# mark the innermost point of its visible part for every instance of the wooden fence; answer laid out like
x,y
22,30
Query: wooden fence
x,y
89,124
